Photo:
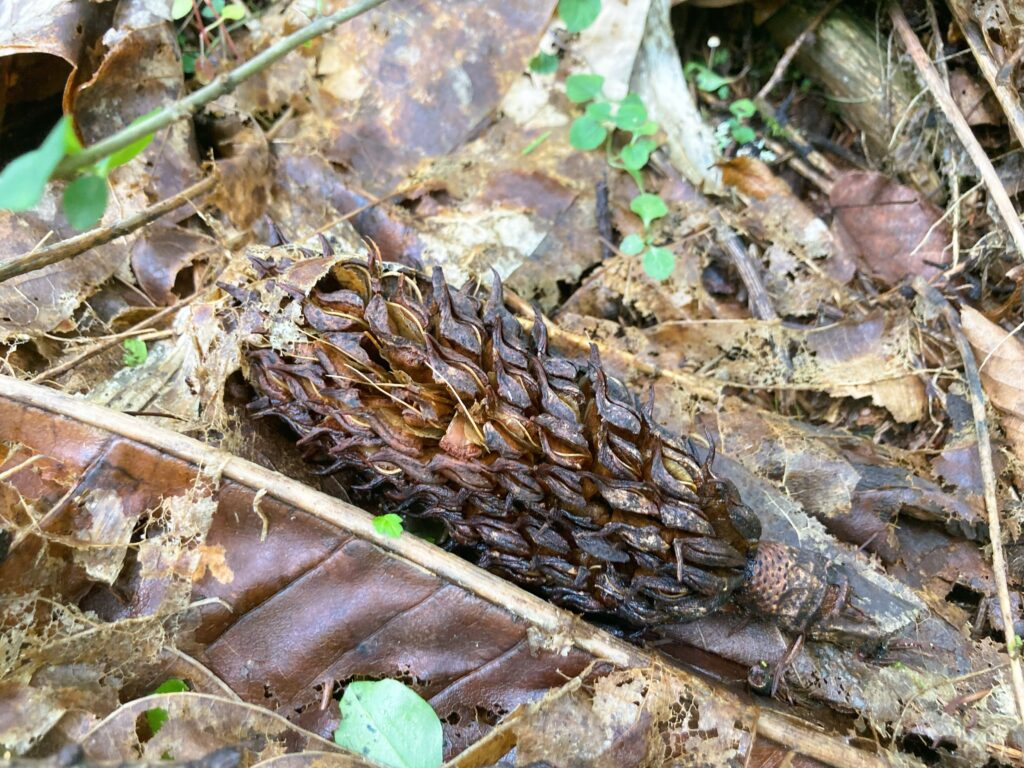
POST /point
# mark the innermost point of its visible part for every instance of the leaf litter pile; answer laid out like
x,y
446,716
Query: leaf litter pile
x,y
526,383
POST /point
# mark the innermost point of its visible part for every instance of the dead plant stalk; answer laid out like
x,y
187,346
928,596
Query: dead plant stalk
x,y
940,92
222,84
931,295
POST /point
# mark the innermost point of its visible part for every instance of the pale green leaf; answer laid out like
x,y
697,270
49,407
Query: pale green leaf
x,y
578,14
388,723
659,263
648,207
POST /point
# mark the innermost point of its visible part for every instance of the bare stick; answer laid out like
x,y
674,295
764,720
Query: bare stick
x,y
221,84
963,131
65,249
988,475
1004,91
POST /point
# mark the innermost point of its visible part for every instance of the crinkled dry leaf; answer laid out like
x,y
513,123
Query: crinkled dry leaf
x,y
250,565
804,266
198,724
867,358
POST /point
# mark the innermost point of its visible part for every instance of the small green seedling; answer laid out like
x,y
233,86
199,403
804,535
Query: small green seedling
x,y
389,525
157,716
135,352
544,63
389,723
597,126
24,179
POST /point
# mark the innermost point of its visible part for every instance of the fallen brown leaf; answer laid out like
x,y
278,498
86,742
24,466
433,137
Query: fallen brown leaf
x,y
895,231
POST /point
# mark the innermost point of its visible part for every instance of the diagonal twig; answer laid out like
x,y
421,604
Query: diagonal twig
x,y
1005,93
73,246
963,131
221,84
973,379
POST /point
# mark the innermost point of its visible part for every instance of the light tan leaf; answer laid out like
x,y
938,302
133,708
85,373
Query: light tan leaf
x,y
1001,360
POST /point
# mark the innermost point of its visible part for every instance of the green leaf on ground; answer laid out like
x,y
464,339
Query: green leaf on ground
x,y
586,133
578,14
743,108
387,722
635,155
157,716
659,263
631,245
544,63
631,113
389,525
580,88
135,352
648,207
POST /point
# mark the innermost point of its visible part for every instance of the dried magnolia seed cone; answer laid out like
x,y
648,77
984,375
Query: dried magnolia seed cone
x,y
434,403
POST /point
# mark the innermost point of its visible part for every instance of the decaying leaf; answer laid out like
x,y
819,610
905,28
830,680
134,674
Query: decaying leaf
x,y
893,229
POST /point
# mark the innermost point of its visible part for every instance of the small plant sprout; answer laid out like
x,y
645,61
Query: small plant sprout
x,y
603,123
135,352
157,716
389,525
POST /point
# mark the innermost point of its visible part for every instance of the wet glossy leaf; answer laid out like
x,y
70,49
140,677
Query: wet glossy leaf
x,y
387,722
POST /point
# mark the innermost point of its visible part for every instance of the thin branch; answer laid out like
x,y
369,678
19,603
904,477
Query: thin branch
x,y
65,249
988,475
793,49
1003,89
963,131
222,84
